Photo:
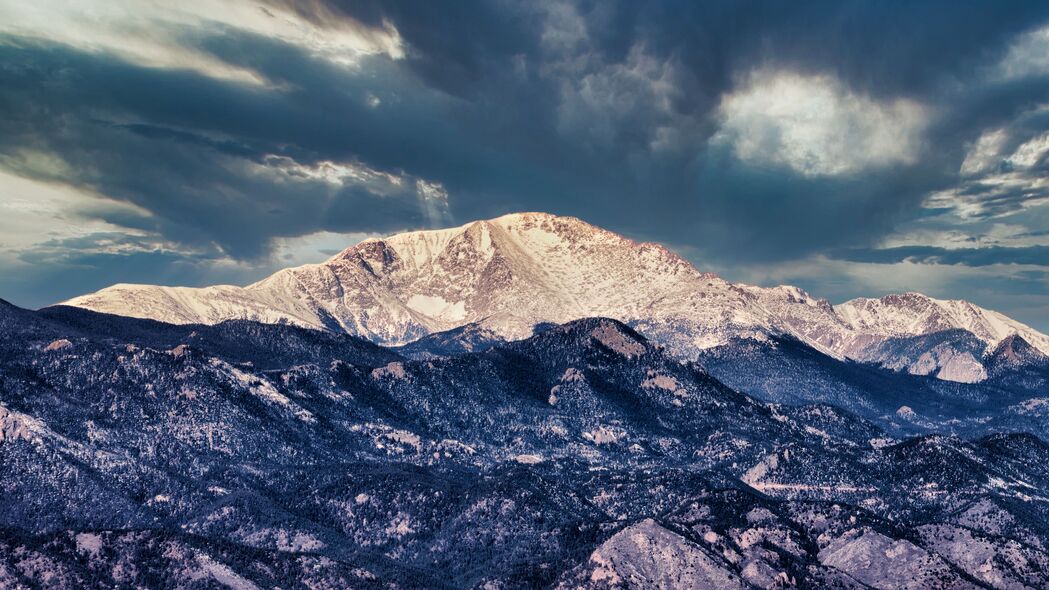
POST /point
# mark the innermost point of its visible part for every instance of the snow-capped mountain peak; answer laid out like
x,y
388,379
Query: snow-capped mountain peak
x,y
518,270
912,313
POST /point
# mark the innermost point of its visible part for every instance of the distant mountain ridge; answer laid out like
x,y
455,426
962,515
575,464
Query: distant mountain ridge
x,y
522,269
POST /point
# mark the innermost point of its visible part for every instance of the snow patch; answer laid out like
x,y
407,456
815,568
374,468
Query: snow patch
x,y
1035,406
89,543
223,574
436,307
404,437
528,459
604,435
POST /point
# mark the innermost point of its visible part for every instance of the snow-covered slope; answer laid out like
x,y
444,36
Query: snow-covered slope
x,y
912,314
511,272
518,270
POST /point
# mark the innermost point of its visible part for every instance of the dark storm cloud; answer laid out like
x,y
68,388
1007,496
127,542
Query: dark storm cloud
x,y
604,110
454,46
879,47
928,51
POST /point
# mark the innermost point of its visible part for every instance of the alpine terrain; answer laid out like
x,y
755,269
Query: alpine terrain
x,y
516,271
525,402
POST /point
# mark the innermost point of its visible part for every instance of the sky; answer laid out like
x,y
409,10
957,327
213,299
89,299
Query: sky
x,y
850,148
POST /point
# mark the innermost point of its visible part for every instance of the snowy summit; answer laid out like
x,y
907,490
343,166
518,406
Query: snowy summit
x,y
515,271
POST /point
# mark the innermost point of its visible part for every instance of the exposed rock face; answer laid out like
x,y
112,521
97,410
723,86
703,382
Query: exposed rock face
x,y
59,344
1013,351
646,555
882,562
16,426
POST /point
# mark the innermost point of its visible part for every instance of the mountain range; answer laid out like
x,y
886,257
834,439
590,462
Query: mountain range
x,y
524,402
514,272
247,455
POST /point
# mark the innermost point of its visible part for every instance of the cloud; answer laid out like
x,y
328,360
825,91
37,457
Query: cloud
x,y
33,211
210,162
1028,55
816,126
984,153
1004,172
149,32
630,101
752,133
983,256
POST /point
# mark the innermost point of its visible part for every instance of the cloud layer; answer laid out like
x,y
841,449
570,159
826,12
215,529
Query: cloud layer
x,y
822,143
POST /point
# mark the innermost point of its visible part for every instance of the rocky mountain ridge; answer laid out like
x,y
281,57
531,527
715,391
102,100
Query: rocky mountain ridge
x,y
138,453
519,270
